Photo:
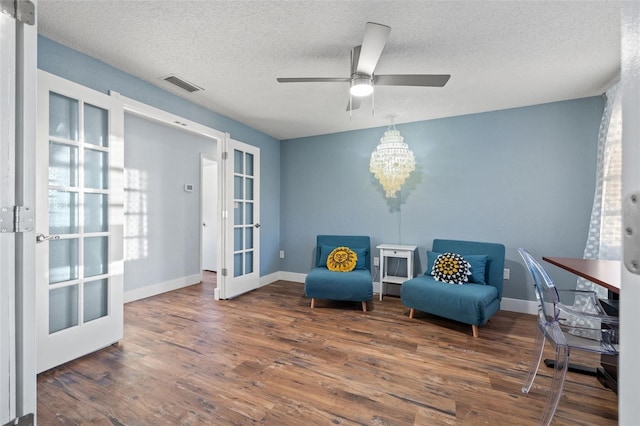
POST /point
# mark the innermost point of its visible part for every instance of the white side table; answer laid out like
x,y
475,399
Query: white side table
x,y
396,251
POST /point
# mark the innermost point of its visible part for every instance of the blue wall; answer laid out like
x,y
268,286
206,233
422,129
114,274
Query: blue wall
x,y
82,69
523,177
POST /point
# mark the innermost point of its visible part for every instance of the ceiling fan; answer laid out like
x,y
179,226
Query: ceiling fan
x,y
364,59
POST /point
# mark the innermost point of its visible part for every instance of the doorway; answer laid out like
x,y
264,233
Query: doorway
x,y
209,213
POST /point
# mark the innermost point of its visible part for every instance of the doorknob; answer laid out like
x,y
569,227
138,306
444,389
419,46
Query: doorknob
x,y
257,225
41,237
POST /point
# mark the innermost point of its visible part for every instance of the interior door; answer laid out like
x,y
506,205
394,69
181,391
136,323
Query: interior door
x,y
7,239
241,270
18,45
79,207
630,286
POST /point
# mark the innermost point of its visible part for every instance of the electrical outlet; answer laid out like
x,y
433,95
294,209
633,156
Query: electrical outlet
x,y
281,254
376,261
506,274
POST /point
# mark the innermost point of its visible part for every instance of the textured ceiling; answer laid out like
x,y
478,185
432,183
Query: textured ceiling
x,y
501,54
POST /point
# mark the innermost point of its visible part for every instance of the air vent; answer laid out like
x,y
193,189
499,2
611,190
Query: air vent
x,y
183,84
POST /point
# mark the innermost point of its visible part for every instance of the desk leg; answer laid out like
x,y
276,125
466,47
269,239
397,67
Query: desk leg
x,y
576,368
608,372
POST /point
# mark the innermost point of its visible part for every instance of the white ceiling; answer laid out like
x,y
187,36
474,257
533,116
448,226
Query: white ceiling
x,y
500,54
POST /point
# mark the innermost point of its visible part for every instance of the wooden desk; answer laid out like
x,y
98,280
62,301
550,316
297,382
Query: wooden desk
x,y
602,272
605,273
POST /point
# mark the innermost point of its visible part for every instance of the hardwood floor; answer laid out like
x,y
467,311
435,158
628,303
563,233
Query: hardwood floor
x,y
266,357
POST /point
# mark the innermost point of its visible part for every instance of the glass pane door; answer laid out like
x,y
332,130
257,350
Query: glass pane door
x,y
81,197
243,223
242,250
78,212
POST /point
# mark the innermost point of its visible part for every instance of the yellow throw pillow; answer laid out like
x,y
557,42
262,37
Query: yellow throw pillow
x,y
342,259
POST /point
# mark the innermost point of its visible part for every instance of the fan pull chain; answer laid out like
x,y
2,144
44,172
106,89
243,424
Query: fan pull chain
x,y
350,106
373,102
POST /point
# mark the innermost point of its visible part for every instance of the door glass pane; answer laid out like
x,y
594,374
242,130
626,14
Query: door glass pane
x,y
96,125
248,237
249,214
96,302
248,264
237,213
63,308
63,116
96,212
63,260
237,264
96,169
249,171
237,187
63,164
237,161
237,239
96,256
249,194
63,212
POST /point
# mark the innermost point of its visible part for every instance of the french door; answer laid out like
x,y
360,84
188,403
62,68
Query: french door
x,y
79,222
241,269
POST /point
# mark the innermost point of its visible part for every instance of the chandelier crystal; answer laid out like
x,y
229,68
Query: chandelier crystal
x,y
392,162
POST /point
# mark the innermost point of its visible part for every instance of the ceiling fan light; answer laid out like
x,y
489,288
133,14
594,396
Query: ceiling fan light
x,y
361,86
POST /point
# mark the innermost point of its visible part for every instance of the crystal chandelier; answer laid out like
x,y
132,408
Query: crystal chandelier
x,y
392,161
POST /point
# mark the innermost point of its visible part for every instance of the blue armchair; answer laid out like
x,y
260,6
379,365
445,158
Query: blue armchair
x,y
471,303
356,286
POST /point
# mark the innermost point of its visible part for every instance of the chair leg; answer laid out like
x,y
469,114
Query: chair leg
x,y
474,330
557,383
364,306
411,313
313,302
538,349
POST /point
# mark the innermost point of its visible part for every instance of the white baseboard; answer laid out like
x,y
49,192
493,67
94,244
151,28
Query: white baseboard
x,y
159,288
519,305
271,278
292,276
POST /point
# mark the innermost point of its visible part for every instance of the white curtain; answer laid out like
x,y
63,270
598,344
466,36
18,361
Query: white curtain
x,y
605,229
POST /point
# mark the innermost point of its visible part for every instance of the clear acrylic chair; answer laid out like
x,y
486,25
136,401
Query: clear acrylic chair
x,y
581,325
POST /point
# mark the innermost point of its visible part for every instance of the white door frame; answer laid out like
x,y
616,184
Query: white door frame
x,y
143,110
18,65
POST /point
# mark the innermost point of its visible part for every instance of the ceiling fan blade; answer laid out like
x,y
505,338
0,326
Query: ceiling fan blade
x,y
431,80
374,40
355,55
355,104
313,80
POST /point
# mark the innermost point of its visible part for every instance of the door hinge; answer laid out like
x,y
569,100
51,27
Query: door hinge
x,y
225,155
15,219
26,420
631,232
22,10
224,272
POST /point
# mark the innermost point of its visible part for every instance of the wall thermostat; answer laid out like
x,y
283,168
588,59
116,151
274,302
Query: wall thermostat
x,y
188,187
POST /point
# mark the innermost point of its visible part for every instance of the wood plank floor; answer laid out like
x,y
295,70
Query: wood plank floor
x,y
267,358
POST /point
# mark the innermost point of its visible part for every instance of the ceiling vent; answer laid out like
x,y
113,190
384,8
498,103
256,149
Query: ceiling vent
x,y
183,84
